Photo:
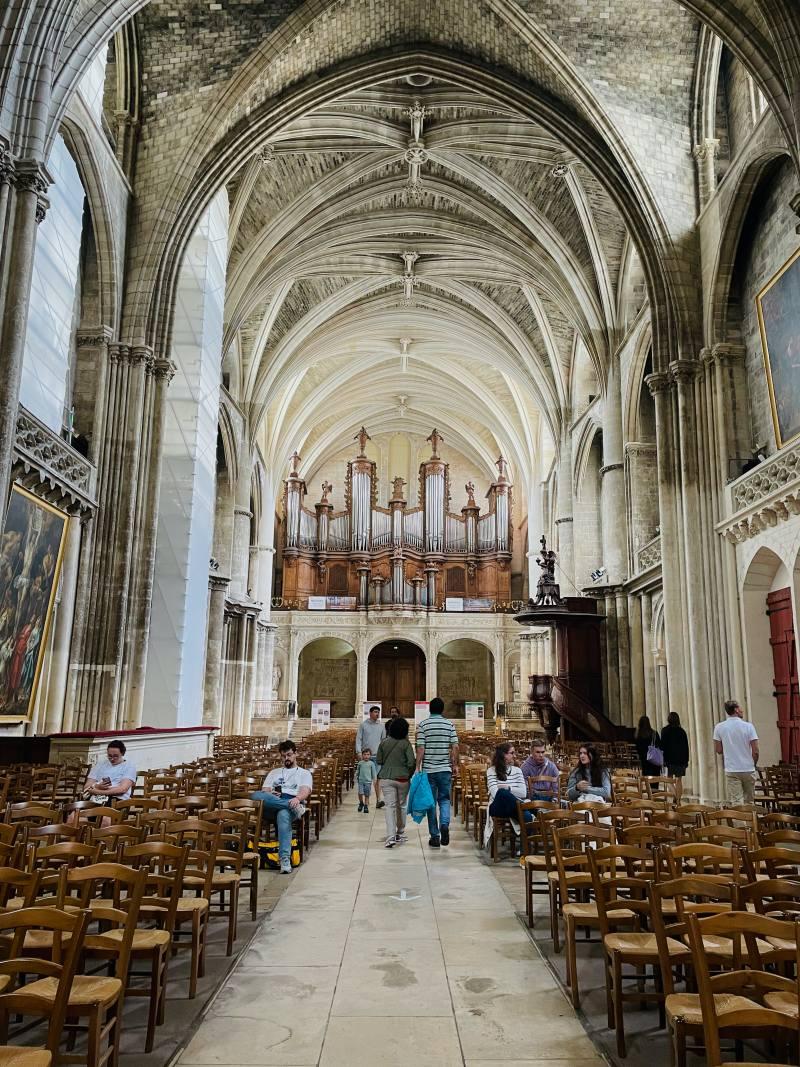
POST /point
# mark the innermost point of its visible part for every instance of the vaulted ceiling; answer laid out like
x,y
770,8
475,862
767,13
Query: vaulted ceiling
x,y
415,255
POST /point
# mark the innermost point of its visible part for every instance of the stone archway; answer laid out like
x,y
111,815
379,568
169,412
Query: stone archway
x,y
327,670
396,675
464,671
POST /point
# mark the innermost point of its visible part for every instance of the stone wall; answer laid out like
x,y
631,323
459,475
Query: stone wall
x,y
328,672
463,672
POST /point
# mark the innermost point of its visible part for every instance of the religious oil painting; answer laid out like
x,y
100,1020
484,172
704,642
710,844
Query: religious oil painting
x,y
30,560
779,319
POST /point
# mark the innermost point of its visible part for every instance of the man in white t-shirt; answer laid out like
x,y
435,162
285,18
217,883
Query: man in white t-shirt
x,y
283,791
736,741
112,778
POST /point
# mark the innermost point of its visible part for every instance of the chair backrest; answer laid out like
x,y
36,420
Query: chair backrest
x,y
648,836
68,929
164,865
232,838
777,820
17,883
191,805
780,837
772,896
719,834
733,817
620,881
743,929
254,809
64,854
87,811
703,857
705,894
33,814
112,839
103,884
773,861
572,844
138,805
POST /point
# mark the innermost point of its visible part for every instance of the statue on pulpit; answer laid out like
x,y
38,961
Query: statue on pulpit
x,y
326,488
362,437
470,489
276,681
435,438
548,593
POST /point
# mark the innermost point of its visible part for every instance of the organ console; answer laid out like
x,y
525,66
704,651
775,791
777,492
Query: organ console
x,y
399,556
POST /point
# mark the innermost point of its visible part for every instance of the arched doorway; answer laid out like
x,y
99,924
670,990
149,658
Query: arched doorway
x,y
327,671
396,675
464,671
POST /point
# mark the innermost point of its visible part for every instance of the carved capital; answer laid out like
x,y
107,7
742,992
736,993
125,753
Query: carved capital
x,y
217,584
727,353
93,337
31,176
163,370
6,165
684,371
140,354
118,352
658,382
708,149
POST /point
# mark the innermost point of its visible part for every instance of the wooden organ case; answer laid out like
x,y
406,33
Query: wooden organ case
x,y
399,556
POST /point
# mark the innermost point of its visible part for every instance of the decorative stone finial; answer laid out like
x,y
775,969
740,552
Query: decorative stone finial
x,y
362,437
435,438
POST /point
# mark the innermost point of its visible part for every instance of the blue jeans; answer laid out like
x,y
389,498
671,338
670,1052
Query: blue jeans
x,y
440,782
284,818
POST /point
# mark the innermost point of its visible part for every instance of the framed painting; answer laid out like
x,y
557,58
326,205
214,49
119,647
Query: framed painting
x,y
31,548
778,306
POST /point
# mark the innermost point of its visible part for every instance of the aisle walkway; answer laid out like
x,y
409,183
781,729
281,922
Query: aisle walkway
x,y
343,973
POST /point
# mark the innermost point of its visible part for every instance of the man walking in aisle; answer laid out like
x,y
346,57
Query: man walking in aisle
x,y
437,756
369,735
736,741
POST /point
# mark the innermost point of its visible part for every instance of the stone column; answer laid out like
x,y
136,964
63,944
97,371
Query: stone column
x,y
638,697
563,522
612,493
23,185
62,630
212,695
626,712
684,372
612,656
293,666
705,153
265,657
647,655
160,375
361,672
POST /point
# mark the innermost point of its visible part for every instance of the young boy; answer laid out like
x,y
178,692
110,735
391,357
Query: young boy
x,y
366,776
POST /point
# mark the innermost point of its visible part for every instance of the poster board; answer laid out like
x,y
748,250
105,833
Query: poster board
x,y
474,713
371,704
320,715
422,709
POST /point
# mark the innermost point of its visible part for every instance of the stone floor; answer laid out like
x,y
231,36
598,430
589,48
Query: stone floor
x,y
344,972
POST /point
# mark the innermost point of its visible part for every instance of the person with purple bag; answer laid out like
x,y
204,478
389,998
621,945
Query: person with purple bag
x,y
648,746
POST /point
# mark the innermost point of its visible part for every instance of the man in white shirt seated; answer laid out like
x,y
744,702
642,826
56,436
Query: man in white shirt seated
x,y
736,741
112,778
284,790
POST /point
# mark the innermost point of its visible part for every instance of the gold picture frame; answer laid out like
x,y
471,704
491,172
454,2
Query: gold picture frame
x,y
31,552
778,307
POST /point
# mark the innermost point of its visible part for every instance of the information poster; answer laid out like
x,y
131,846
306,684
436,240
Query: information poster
x,y
320,715
422,710
371,704
474,714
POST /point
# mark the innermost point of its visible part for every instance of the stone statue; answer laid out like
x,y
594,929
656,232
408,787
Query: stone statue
x,y
470,488
276,681
326,488
294,459
502,469
435,438
548,593
397,488
362,437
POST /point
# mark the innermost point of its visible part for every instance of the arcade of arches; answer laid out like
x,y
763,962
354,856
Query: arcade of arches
x,y
314,321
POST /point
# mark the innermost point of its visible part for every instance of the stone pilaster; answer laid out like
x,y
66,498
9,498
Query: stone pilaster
x,y
563,522
212,696
612,492
23,204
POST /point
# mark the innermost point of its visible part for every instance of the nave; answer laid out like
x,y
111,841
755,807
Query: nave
x,y
343,972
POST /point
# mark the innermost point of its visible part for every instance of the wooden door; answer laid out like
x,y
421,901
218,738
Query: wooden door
x,y
785,683
396,675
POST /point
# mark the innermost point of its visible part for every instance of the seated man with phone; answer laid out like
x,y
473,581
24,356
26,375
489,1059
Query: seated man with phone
x,y
284,790
112,778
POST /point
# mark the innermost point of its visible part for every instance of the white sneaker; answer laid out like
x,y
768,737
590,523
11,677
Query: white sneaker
x,y
400,839
390,842
286,867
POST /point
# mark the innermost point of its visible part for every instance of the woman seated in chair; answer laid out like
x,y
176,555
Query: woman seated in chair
x,y
589,780
506,782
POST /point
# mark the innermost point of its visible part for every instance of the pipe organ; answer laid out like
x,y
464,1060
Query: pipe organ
x,y
400,556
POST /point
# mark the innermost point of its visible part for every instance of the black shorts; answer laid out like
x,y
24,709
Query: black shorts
x,y
676,770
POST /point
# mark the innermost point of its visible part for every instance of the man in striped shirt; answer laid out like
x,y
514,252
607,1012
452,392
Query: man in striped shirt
x,y
437,756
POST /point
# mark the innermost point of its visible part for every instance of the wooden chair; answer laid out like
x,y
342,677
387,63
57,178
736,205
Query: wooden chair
x,y
621,877
227,880
188,806
738,817
68,930
97,999
719,834
196,910
113,839
87,811
549,821
52,833
29,814
253,809
67,854
772,862
134,806
703,857
748,1001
